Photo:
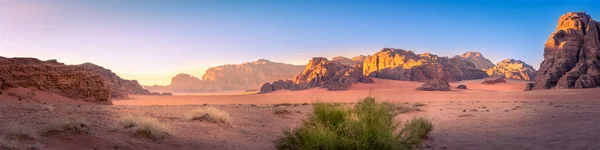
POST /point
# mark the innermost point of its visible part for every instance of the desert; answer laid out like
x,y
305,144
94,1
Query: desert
x,y
229,76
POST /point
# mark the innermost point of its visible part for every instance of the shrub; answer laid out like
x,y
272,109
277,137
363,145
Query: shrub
x,y
368,125
418,128
145,126
209,114
76,125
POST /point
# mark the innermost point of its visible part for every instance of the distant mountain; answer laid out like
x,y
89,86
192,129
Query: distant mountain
x,y
357,60
477,59
512,69
250,75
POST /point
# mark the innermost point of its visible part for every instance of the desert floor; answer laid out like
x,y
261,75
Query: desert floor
x,y
500,116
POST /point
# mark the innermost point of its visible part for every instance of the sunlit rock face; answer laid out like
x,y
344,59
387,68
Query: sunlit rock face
x,y
571,54
512,69
120,88
51,76
477,59
320,72
398,64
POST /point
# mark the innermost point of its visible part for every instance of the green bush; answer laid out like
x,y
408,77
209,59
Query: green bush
x,y
369,125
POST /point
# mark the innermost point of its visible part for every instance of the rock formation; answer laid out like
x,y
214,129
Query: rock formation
x,y
398,64
51,76
512,69
477,59
493,81
320,72
120,88
435,85
357,60
462,86
244,76
571,54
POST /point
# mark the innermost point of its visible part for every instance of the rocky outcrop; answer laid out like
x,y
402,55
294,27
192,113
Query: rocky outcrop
x,y
244,76
435,85
477,59
120,88
571,54
462,86
51,76
320,72
512,69
398,64
493,81
529,86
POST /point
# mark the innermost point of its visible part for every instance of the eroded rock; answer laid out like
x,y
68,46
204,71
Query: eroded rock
x,y
571,54
435,85
512,69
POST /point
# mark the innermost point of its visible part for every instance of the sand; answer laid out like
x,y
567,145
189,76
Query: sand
x,y
500,116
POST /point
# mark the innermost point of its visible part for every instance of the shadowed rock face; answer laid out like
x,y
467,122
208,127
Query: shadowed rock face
x,y
494,81
571,54
512,69
398,64
50,76
120,88
250,75
320,72
477,59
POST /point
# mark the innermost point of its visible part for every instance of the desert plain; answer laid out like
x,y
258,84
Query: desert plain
x,y
499,116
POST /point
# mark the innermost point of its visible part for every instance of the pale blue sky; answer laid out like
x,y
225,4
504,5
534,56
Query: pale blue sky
x,y
151,40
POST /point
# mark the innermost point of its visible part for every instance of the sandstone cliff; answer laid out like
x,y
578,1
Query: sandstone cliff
x,y
120,88
398,64
477,59
571,54
51,76
320,72
512,69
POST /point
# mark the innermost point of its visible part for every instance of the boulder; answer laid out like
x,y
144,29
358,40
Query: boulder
x,y
462,86
166,94
493,81
435,85
477,59
571,54
529,86
398,64
50,76
512,69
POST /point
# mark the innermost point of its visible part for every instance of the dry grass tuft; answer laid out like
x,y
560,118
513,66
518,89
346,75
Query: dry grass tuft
x,y
208,114
17,131
145,126
77,125
280,110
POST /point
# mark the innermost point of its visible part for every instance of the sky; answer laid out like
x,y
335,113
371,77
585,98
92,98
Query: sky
x,y
153,40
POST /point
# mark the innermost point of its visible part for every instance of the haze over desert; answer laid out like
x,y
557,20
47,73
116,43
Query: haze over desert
x,y
374,75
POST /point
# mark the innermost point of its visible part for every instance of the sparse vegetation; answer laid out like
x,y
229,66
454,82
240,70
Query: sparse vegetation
x,y
77,125
280,110
19,132
282,104
209,114
145,126
368,125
